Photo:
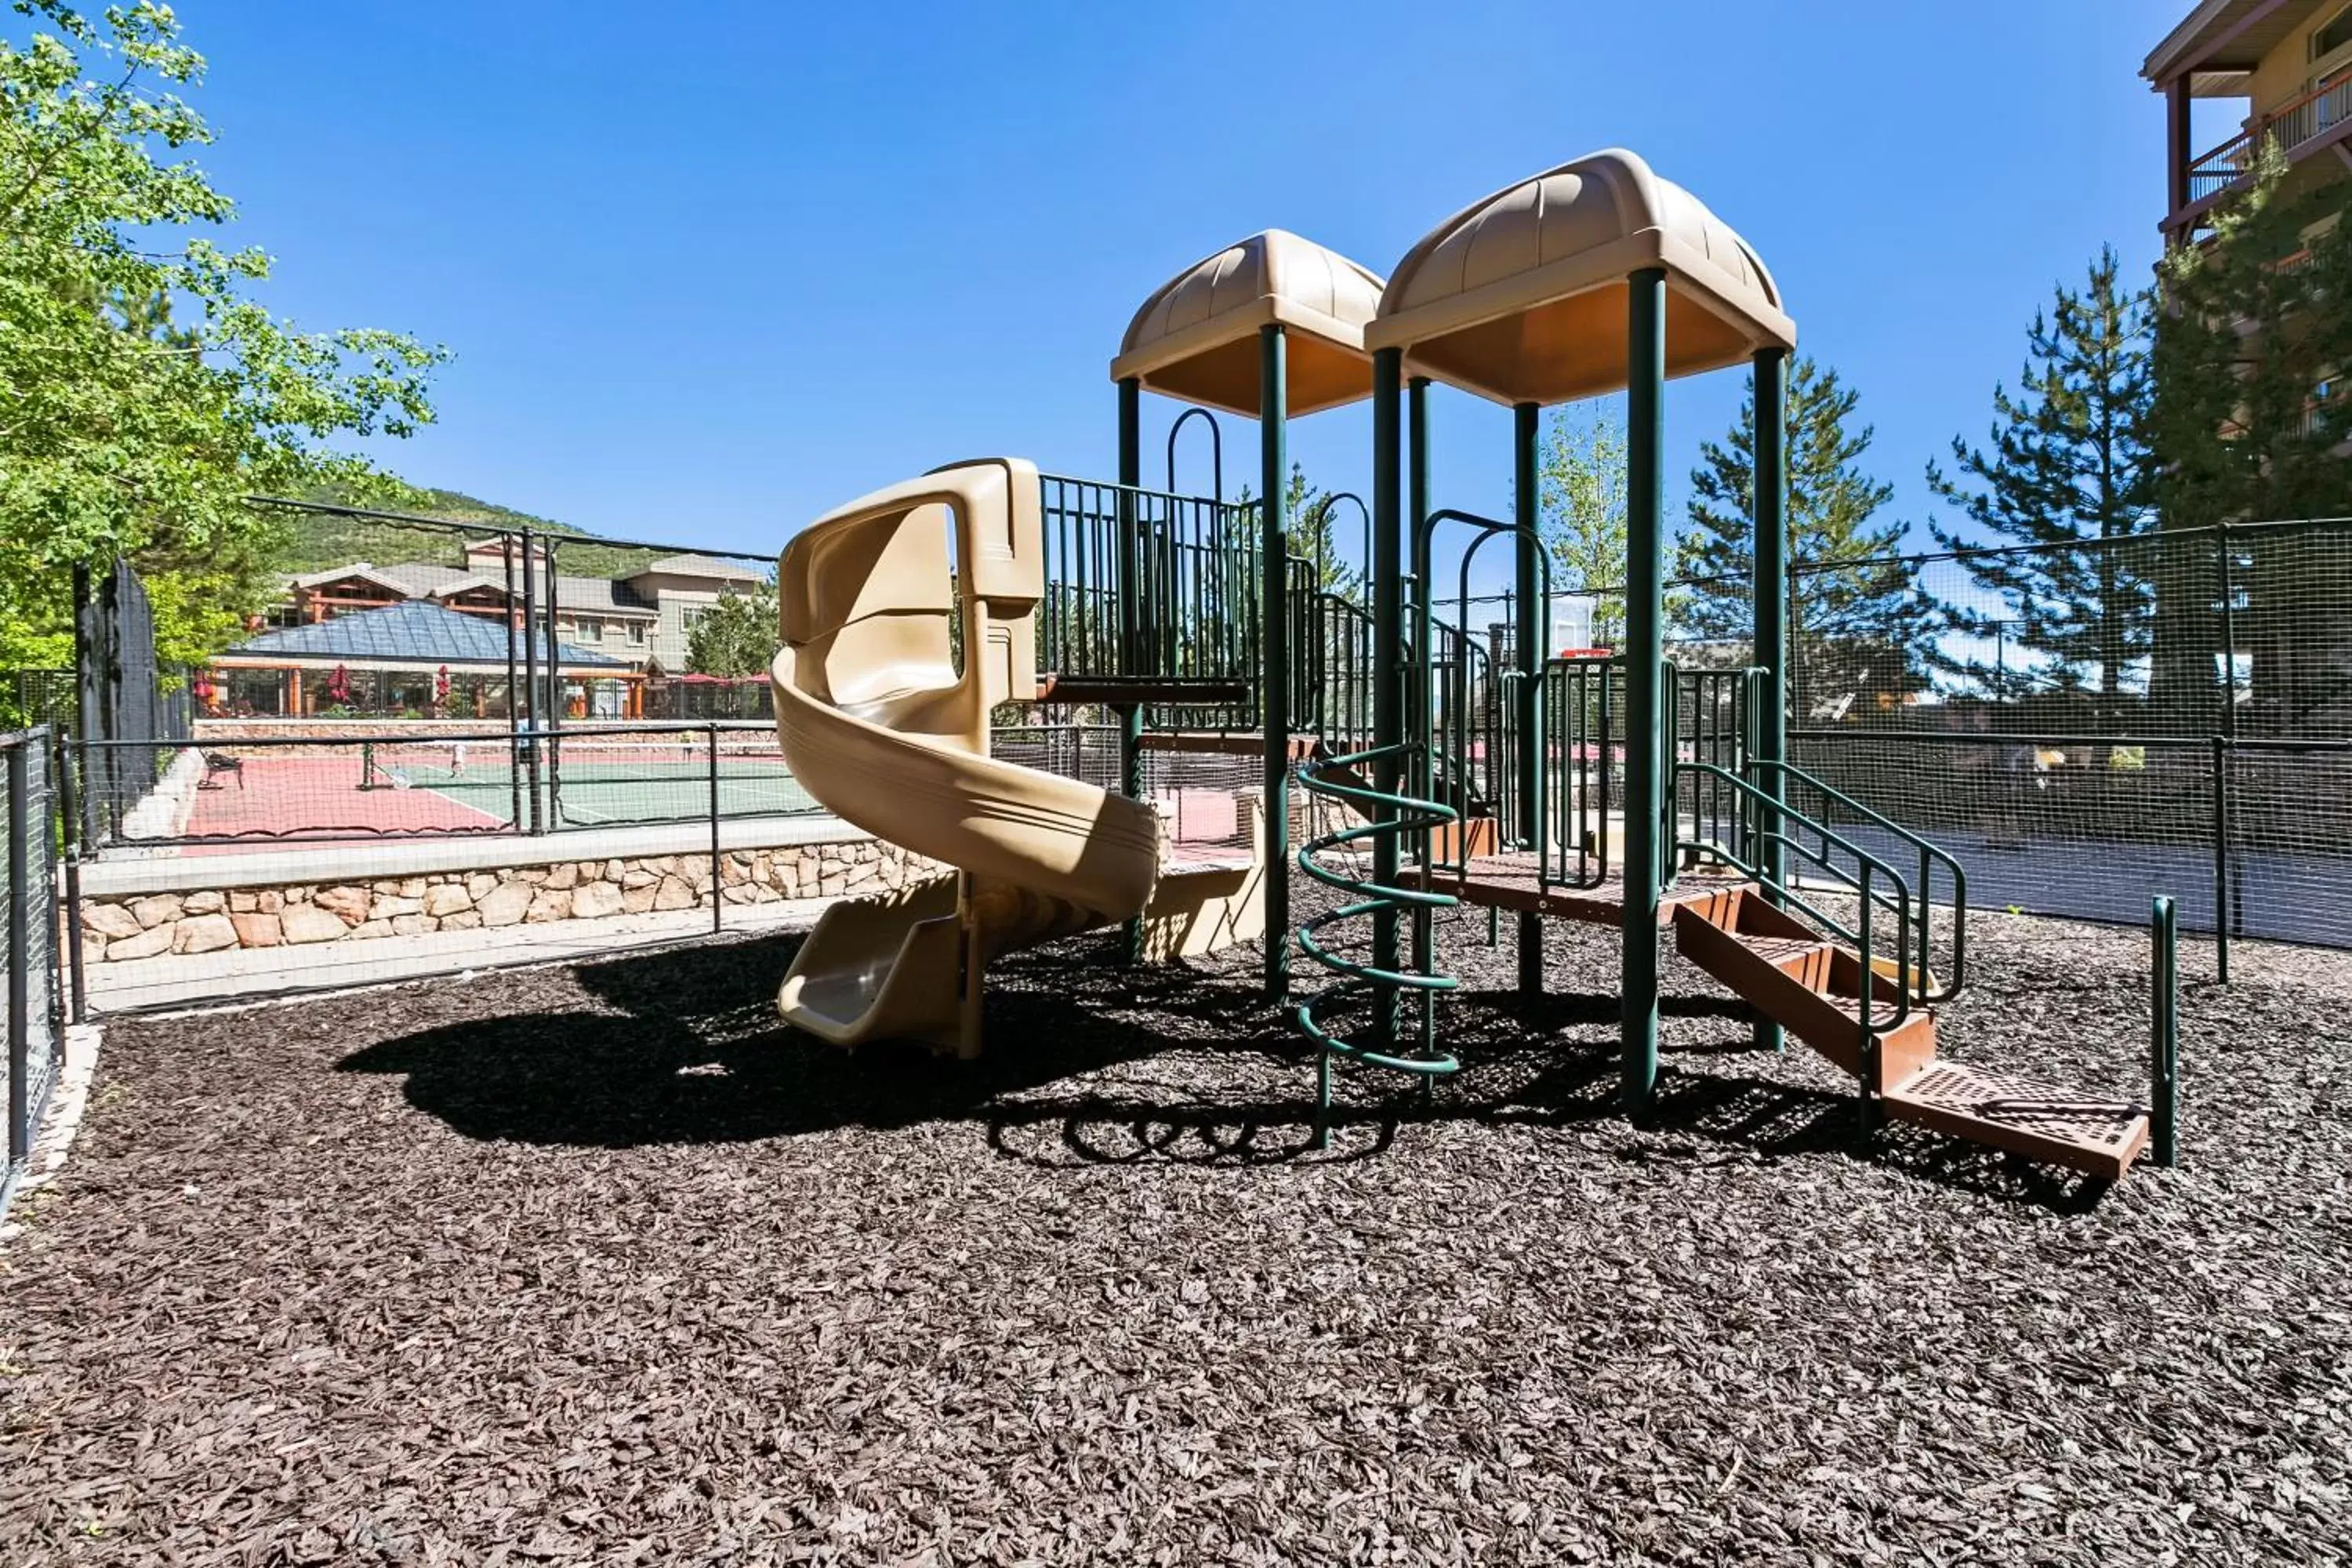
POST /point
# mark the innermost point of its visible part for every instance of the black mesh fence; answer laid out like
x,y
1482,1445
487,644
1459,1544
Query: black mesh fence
x,y
38,696
28,927
446,781
2091,724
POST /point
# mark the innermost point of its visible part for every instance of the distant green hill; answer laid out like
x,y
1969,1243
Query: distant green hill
x,y
314,542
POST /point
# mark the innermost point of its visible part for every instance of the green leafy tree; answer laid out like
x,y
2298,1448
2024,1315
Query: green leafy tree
x,y
1854,629
736,636
143,393
2251,417
1581,509
2068,464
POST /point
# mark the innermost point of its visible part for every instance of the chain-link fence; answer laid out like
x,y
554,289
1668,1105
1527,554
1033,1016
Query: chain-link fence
x,y
28,922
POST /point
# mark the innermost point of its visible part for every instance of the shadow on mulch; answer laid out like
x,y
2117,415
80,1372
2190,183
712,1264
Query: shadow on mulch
x,y
695,1054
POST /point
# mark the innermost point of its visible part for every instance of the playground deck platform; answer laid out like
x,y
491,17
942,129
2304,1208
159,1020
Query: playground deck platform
x,y
1510,881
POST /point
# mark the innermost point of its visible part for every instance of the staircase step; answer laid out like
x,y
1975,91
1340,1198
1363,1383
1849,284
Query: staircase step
x,y
1809,985
1794,957
2100,1138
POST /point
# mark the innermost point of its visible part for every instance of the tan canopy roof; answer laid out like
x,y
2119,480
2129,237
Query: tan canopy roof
x,y
1196,338
1521,296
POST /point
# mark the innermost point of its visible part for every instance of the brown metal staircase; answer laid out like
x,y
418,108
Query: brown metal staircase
x,y
1868,1010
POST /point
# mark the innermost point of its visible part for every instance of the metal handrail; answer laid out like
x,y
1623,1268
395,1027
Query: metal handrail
x,y
1488,528
1860,934
1929,852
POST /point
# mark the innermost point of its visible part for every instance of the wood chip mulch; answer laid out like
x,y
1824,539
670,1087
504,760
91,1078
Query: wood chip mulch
x,y
598,1264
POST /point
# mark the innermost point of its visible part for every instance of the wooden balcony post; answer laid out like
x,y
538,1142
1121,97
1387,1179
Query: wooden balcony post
x,y
2176,151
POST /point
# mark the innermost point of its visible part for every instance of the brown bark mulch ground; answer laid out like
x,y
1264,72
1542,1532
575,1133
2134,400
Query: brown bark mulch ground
x,y
597,1264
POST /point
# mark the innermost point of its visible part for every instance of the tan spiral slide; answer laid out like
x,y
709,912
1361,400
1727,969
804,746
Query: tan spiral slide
x,y
892,663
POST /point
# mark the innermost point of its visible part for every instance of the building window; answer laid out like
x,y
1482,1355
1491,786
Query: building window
x,y
688,614
2332,36
591,629
637,633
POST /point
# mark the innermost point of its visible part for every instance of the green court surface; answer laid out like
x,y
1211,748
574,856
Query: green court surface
x,y
585,784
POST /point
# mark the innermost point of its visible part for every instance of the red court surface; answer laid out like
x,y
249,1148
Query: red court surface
x,y
291,794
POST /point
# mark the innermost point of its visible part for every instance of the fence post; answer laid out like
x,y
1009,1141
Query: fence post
x,y
70,830
2221,859
717,904
530,678
514,692
20,988
2164,1042
2224,913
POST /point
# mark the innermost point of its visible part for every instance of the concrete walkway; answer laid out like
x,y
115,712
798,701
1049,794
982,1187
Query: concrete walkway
x,y
219,979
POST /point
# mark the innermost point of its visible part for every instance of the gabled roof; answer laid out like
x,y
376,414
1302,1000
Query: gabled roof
x,y
2227,36
386,577
700,566
424,580
467,584
415,631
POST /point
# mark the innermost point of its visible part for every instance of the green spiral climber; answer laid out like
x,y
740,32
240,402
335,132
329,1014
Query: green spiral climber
x,y
1339,778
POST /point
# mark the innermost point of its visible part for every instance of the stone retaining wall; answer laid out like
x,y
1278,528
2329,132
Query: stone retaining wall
x,y
117,929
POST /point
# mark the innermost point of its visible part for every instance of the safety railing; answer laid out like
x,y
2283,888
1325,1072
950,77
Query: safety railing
x,y
1339,684
1148,584
1874,885
2291,123
1514,749
1836,803
1710,718
28,922
1583,714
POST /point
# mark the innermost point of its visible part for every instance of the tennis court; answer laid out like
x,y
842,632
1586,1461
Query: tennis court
x,y
436,787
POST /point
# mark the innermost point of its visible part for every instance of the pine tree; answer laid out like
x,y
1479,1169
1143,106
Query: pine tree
x,y
2068,464
1852,628
2251,357
1310,532
2252,420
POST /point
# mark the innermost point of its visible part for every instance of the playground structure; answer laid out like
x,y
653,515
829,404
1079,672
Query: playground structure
x,y
1439,764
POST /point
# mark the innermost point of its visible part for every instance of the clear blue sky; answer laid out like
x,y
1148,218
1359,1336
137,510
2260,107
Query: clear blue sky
x,y
710,270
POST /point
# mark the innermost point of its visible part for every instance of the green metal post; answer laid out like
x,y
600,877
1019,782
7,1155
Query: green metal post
x,y
1274,682
1645,485
1769,384
1131,715
1388,667
1423,711
1528,656
2164,1046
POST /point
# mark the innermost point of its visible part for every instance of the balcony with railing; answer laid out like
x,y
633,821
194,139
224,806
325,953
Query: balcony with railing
x,y
2299,125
